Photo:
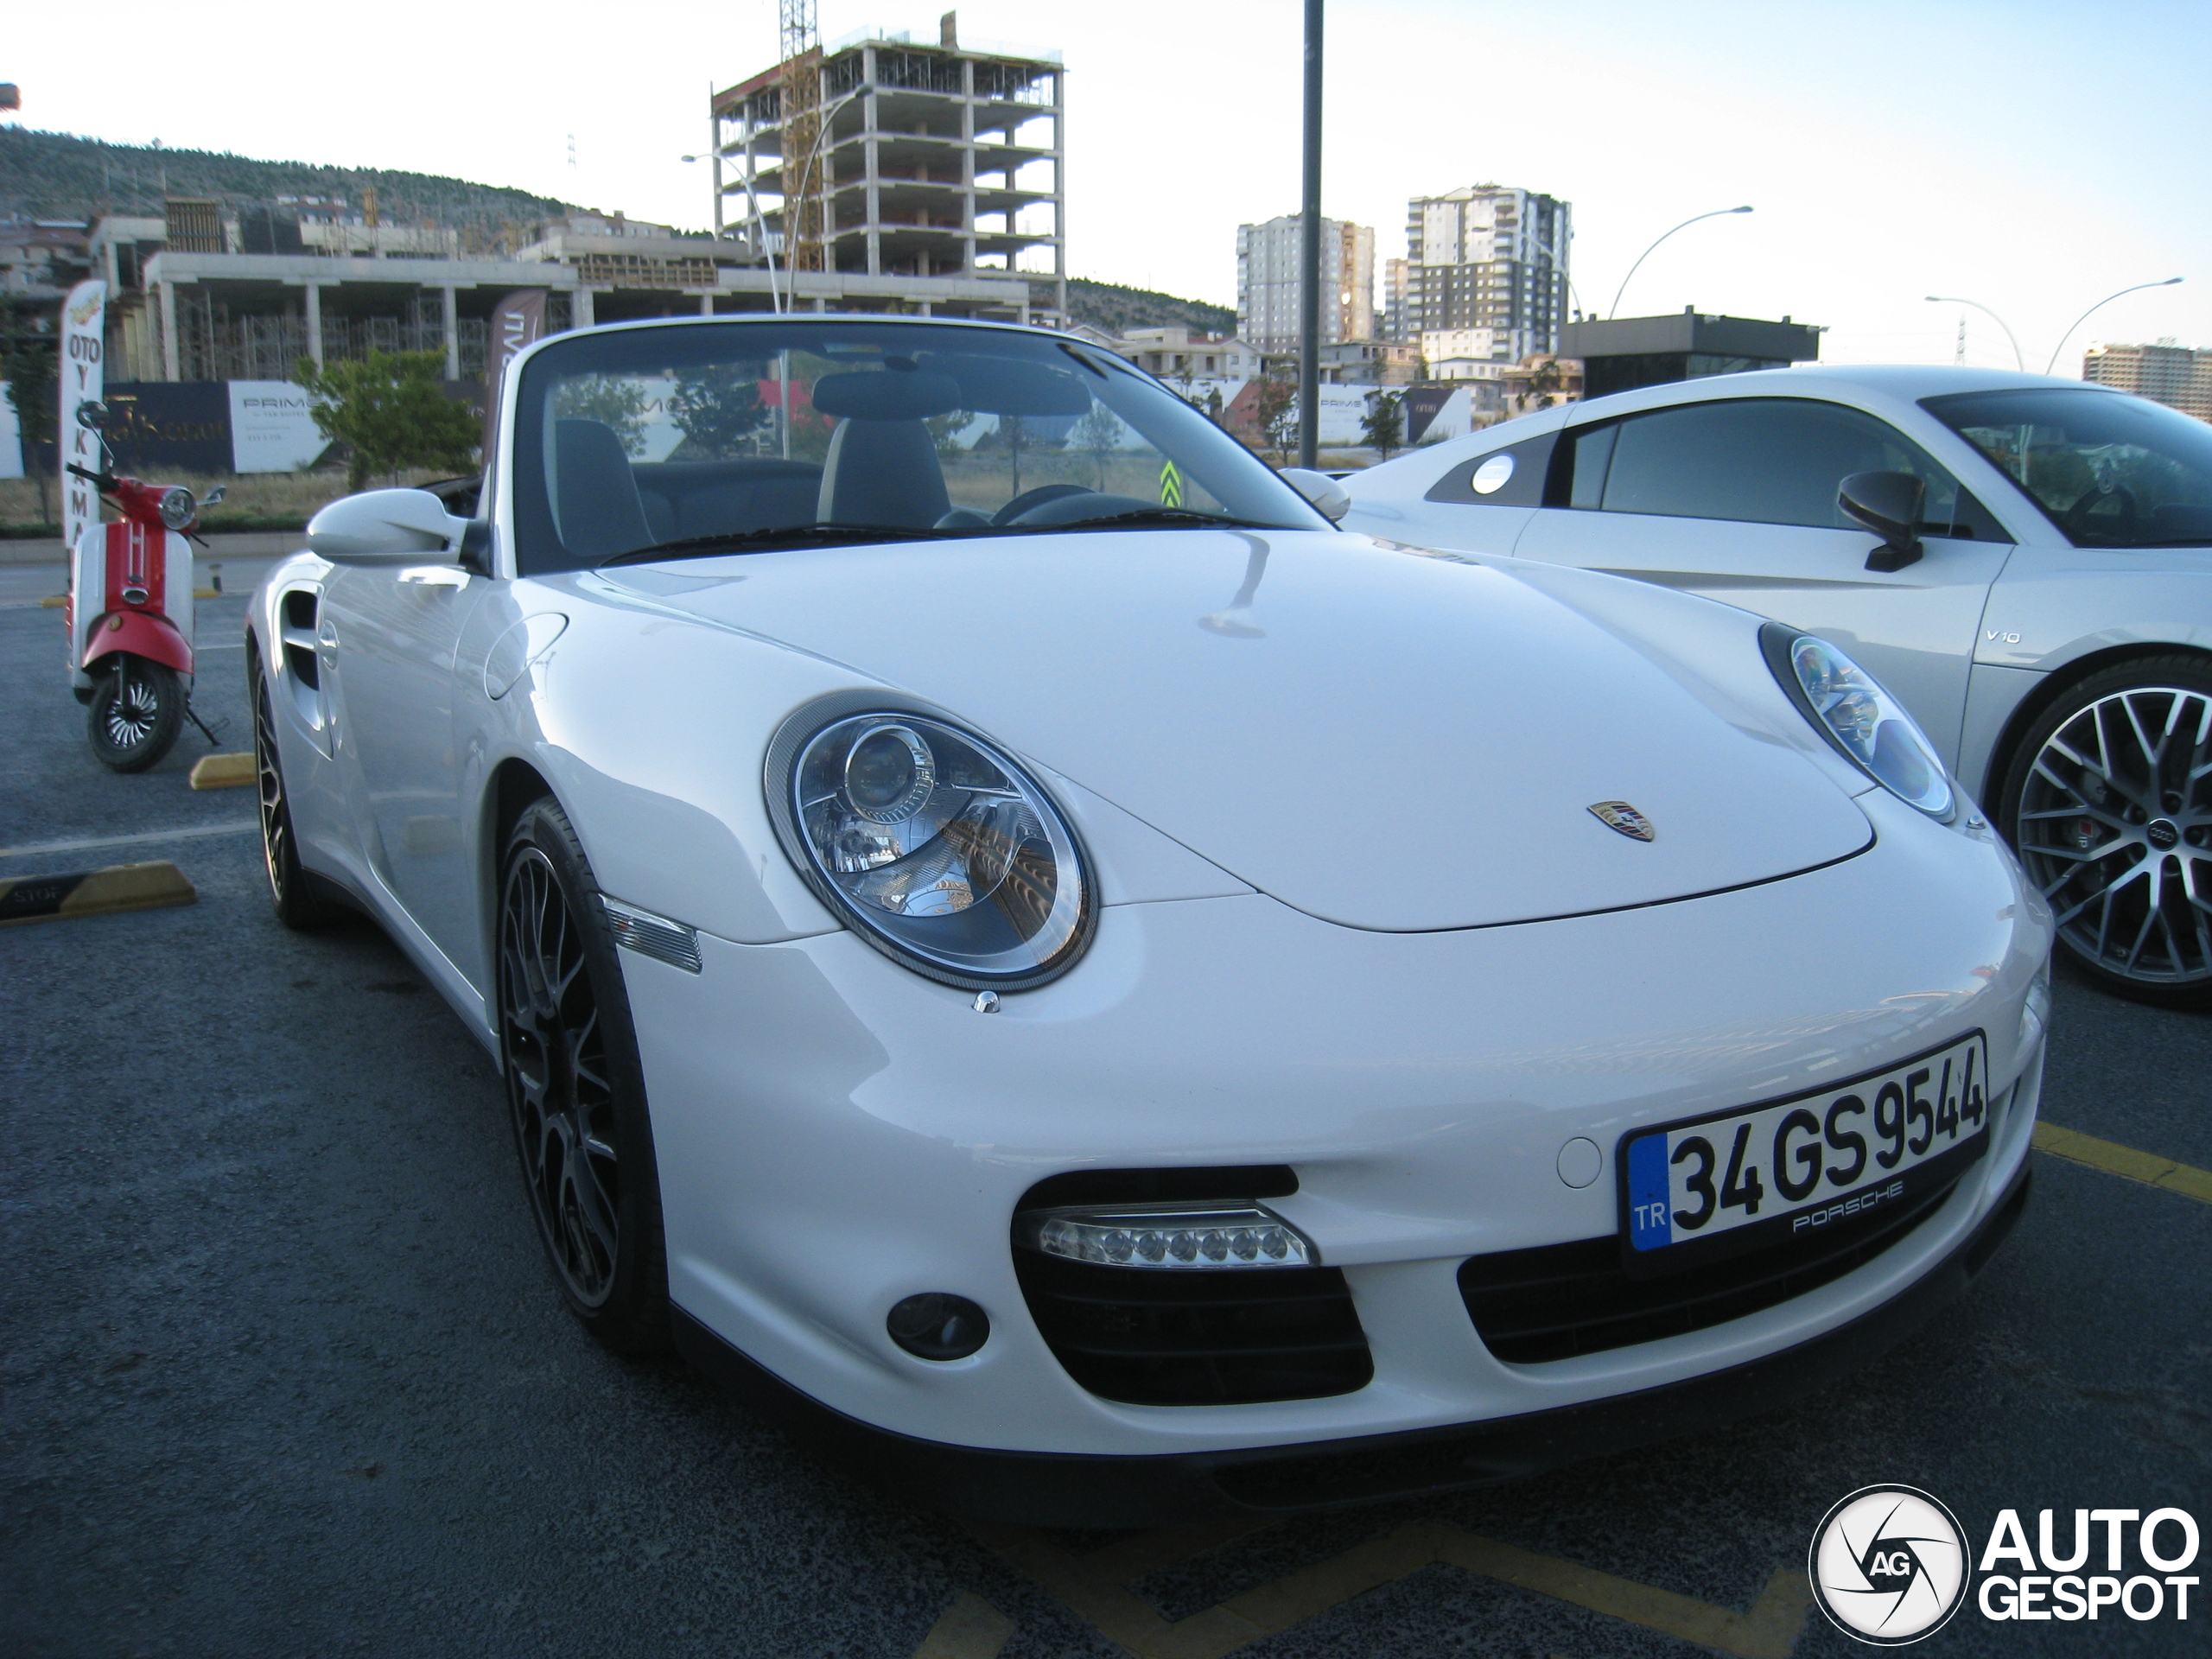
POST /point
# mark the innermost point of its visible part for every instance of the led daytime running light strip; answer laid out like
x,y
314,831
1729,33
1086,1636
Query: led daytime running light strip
x,y
1170,1236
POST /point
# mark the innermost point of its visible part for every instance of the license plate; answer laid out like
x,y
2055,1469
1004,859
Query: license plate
x,y
1792,1168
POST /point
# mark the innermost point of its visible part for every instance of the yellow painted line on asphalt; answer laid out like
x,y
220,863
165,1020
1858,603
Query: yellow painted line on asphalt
x,y
1095,1588
223,771
971,1629
94,893
87,843
2113,1159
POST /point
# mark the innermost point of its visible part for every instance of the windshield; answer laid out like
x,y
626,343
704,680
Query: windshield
x,y
2108,470
785,432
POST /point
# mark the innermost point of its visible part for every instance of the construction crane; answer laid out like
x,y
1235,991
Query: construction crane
x,y
802,135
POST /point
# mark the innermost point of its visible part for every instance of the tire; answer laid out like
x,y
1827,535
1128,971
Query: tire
x,y
2099,803
302,899
576,1091
136,710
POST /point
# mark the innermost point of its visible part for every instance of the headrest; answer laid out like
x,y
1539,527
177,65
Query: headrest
x,y
887,395
1005,385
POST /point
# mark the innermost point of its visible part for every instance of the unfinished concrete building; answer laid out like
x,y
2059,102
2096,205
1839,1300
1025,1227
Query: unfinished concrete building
x,y
885,157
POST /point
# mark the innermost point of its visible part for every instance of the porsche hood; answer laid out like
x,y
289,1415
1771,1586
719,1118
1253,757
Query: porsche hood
x,y
1381,739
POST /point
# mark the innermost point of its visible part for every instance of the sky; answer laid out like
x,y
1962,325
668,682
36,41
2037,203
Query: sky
x,y
2030,155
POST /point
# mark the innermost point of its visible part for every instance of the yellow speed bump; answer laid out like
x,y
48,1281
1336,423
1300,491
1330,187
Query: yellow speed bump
x,y
2113,1159
94,893
223,772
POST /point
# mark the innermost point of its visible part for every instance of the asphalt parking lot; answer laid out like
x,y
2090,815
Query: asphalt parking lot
x,y
284,1372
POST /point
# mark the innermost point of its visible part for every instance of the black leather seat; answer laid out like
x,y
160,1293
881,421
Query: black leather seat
x,y
597,495
882,472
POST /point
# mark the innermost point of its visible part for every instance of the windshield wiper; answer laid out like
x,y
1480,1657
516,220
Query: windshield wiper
x,y
747,541
1176,516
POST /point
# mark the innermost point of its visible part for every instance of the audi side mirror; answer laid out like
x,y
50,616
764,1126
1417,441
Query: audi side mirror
x,y
385,527
1889,505
1327,496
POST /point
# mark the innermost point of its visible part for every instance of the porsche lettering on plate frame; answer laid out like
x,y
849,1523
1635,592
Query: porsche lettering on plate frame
x,y
1718,1185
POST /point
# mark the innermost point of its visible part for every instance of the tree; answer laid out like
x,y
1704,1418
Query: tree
x,y
615,403
1099,433
390,412
1277,416
717,408
1546,381
945,431
30,362
1383,426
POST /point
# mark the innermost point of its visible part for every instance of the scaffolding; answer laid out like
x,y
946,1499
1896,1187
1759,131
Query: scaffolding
x,y
886,156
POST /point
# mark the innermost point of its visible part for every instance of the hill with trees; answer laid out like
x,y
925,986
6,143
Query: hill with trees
x,y
60,176
1118,309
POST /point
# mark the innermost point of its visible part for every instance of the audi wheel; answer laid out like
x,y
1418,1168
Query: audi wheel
x,y
2109,805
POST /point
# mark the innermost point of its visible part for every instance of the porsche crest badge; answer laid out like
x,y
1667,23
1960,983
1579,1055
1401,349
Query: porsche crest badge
x,y
1620,815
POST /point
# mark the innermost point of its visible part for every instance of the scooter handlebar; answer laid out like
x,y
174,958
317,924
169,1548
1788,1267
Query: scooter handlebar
x,y
100,481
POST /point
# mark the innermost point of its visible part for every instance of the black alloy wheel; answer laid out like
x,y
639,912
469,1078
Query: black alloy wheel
x,y
2109,804
574,1089
136,711
301,898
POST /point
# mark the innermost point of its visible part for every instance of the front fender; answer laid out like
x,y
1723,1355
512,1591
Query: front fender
x,y
142,634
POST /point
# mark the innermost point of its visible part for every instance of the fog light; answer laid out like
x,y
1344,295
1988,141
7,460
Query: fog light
x,y
1169,1236
936,1325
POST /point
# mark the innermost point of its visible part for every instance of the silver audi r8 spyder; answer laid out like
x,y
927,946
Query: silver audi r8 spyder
x,y
1020,944
2026,563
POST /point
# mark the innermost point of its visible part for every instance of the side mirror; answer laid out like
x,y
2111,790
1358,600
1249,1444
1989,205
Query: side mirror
x,y
1889,505
384,527
212,496
1327,495
91,414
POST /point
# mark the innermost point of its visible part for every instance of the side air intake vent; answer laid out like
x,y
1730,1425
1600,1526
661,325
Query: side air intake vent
x,y
1172,1327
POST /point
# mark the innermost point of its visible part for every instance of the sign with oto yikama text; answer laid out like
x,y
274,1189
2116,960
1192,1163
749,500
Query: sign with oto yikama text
x,y
82,377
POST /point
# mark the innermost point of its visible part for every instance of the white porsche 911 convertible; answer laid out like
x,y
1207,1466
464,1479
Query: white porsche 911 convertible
x,y
1017,942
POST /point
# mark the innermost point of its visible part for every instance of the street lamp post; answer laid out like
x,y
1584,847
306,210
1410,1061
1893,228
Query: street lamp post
x,y
2167,282
1309,289
781,303
1717,213
2019,362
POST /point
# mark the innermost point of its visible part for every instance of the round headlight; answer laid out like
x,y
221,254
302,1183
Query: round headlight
x,y
1859,718
177,509
938,848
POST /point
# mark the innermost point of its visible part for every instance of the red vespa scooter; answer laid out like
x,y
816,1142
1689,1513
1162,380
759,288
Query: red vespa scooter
x,y
130,614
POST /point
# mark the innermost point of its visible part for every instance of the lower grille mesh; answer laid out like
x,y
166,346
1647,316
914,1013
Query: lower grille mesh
x,y
1192,1337
1559,1301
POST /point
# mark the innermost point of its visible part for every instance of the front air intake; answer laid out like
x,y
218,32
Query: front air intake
x,y
1170,1328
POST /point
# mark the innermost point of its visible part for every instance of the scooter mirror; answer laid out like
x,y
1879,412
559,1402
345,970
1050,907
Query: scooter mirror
x,y
212,497
92,415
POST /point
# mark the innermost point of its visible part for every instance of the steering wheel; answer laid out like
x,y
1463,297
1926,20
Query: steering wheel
x,y
2082,513
1010,513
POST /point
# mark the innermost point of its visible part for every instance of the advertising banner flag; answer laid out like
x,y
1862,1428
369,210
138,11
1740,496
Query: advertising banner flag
x,y
82,377
518,320
272,427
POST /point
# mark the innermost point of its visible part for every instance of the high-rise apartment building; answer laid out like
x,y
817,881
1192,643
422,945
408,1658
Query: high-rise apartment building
x,y
2176,376
1489,256
1267,260
1394,299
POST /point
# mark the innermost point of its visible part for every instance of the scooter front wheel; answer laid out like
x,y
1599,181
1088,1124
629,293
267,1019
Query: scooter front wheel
x,y
136,711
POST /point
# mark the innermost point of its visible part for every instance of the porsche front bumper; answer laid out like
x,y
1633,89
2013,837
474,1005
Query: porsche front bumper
x,y
834,1134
